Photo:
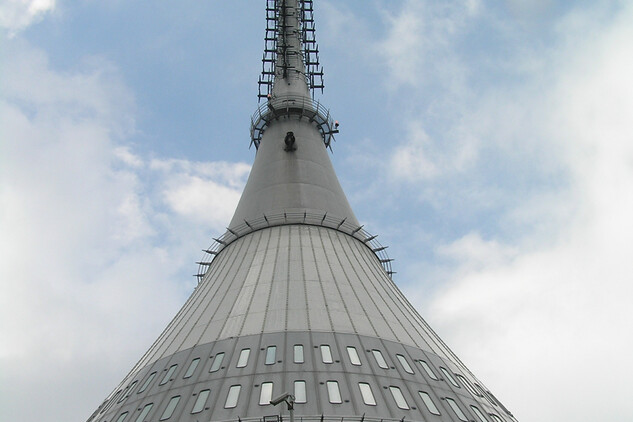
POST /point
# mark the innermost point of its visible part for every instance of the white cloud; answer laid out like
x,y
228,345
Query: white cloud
x,y
421,158
18,14
556,313
206,193
88,243
416,50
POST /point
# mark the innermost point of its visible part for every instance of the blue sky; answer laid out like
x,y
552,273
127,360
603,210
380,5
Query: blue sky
x,y
487,143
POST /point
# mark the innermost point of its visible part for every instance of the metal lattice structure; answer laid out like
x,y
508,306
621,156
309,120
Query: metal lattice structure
x,y
276,47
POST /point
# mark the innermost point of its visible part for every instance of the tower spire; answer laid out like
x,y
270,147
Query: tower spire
x,y
290,64
292,173
290,70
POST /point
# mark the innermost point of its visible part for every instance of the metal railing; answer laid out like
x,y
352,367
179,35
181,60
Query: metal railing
x,y
318,418
292,106
287,218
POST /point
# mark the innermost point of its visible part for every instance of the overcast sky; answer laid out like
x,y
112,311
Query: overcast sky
x,y
489,144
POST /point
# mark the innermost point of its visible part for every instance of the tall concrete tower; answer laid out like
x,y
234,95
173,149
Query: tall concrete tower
x,y
295,314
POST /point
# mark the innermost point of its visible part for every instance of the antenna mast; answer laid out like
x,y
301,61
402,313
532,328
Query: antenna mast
x,y
276,47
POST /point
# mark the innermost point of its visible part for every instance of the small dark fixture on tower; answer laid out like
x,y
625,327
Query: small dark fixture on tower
x,y
290,142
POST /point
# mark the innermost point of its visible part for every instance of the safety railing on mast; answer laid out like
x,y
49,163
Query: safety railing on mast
x,y
297,107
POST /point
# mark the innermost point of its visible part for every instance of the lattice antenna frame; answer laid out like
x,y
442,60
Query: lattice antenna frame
x,y
265,82
273,48
314,70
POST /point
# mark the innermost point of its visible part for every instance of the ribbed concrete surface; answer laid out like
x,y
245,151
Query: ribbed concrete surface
x,y
298,278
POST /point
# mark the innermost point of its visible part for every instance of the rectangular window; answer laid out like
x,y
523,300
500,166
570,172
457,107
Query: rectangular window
x,y
147,382
480,415
192,367
368,396
333,392
486,396
243,359
131,389
217,362
326,354
122,417
145,412
169,410
128,391
266,393
399,398
428,370
380,360
353,355
298,353
232,397
168,375
405,364
124,395
449,376
271,351
468,385
201,401
428,402
111,402
456,409
300,392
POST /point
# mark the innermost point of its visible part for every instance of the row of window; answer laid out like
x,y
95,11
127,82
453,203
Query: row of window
x,y
334,396
299,358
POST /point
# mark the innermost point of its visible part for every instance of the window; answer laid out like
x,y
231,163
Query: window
x,y
144,413
468,385
192,367
266,393
480,415
405,364
333,392
326,354
127,392
232,397
300,392
124,395
243,359
380,360
495,417
122,417
111,402
298,353
217,362
428,402
169,410
168,375
353,355
271,351
483,394
449,376
147,382
399,398
427,369
495,401
200,401
456,409
368,396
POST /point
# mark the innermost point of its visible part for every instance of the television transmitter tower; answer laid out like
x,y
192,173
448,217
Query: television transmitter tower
x,y
295,314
